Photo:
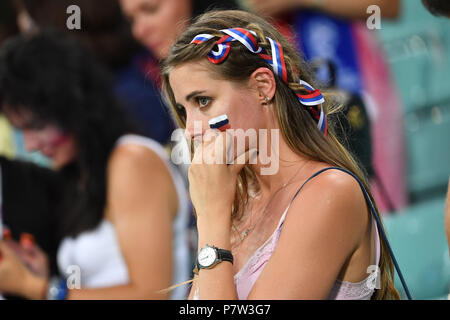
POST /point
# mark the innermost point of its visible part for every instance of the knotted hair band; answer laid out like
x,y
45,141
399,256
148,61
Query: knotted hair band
x,y
276,60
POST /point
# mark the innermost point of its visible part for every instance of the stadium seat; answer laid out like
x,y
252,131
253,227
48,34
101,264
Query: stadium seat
x,y
417,46
417,237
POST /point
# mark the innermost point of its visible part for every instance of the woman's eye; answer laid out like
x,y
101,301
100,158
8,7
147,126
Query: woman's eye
x,y
203,101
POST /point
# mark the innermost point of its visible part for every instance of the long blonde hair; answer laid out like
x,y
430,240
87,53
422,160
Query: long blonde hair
x,y
296,124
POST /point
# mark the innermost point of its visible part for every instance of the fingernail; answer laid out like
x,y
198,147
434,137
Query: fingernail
x,y
7,234
27,240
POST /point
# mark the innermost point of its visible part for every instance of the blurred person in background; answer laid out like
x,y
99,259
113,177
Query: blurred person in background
x,y
23,179
119,209
336,31
105,31
156,24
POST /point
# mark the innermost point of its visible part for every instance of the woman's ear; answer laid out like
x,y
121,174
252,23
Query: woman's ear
x,y
263,80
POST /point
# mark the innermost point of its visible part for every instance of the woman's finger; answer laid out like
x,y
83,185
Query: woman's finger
x,y
202,149
7,235
5,250
224,147
248,157
27,241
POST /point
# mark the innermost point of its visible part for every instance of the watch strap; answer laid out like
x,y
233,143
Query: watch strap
x,y
222,255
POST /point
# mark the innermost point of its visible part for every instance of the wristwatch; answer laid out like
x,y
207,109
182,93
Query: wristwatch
x,y
210,256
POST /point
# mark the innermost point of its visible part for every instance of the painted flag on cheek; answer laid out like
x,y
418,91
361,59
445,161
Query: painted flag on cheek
x,y
220,122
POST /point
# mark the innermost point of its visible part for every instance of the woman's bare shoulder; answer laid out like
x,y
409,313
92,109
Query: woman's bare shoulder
x,y
130,154
334,197
137,174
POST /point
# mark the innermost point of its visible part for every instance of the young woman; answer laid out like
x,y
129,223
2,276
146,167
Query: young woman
x,y
122,209
299,233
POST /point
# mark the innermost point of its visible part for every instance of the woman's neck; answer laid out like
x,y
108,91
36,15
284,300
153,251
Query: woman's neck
x,y
288,163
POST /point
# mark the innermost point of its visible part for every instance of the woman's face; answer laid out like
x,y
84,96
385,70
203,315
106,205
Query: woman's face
x,y
204,97
157,23
48,139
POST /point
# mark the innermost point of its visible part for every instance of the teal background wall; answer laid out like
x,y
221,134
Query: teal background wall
x,y
417,46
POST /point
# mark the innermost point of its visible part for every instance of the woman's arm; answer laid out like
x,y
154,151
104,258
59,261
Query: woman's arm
x,y
350,9
216,283
347,9
212,188
141,203
324,226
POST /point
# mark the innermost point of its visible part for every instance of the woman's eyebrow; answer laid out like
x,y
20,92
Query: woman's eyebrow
x,y
193,94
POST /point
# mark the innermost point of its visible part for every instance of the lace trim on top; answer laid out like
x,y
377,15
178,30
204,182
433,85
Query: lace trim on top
x,y
345,290
263,253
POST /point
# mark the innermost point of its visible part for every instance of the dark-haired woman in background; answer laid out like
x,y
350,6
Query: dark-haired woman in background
x,y
120,198
106,33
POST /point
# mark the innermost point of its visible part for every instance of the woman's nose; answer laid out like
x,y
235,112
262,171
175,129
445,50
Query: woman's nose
x,y
194,128
189,132
141,28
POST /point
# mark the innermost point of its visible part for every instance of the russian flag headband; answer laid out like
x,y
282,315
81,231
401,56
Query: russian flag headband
x,y
312,100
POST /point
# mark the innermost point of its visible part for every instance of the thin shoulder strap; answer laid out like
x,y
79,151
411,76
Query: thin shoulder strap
x,y
373,211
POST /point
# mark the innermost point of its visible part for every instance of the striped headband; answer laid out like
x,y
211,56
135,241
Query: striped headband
x,y
312,100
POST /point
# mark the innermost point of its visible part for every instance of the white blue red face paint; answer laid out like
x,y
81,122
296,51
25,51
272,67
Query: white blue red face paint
x,y
220,122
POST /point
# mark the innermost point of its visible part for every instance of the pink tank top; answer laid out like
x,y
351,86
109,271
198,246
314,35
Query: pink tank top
x,y
341,290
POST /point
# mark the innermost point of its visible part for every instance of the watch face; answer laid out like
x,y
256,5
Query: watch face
x,y
206,257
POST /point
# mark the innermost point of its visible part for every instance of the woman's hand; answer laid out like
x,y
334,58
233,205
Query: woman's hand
x,y
33,256
212,185
212,182
30,254
14,274
347,9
